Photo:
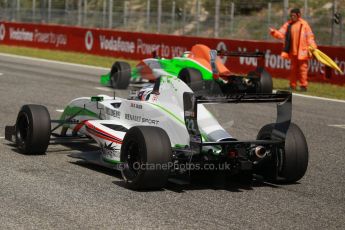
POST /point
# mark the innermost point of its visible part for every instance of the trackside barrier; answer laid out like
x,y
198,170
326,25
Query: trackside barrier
x,y
134,45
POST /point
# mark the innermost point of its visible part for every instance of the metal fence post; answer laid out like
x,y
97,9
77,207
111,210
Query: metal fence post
x,y
183,19
49,10
159,16
13,10
173,12
285,10
85,13
197,18
5,10
66,12
79,12
43,11
18,11
104,12
269,11
232,17
125,12
110,22
148,10
306,9
334,6
216,19
33,10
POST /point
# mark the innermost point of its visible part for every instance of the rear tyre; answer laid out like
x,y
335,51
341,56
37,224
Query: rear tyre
x,y
289,164
145,146
33,129
262,80
266,83
120,75
192,77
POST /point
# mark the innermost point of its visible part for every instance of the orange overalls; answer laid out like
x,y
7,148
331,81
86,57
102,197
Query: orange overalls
x,y
301,38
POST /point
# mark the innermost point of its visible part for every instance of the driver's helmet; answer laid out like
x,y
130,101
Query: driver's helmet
x,y
144,93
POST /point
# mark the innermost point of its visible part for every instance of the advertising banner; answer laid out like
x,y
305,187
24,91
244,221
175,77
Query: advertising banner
x,y
134,45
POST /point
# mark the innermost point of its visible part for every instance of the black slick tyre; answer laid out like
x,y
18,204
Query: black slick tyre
x,y
32,129
262,79
120,75
145,153
193,78
288,165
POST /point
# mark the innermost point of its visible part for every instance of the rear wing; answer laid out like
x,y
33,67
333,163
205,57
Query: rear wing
x,y
284,110
215,53
257,54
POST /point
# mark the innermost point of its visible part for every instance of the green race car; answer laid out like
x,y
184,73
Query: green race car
x,y
198,68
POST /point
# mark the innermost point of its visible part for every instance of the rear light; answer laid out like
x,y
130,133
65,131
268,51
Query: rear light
x,y
232,153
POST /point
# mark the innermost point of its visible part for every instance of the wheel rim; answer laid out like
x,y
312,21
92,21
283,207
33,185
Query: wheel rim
x,y
133,160
22,129
114,77
278,154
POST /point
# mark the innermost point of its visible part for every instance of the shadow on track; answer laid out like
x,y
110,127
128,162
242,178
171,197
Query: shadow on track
x,y
178,184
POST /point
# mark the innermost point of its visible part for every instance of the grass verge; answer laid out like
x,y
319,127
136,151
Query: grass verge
x,y
71,57
314,89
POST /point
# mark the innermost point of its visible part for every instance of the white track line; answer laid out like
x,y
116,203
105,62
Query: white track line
x,y
59,110
104,89
2,137
51,61
318,98
338,126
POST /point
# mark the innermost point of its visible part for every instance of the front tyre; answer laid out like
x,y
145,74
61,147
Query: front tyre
x,y
146,154
32,129
120,75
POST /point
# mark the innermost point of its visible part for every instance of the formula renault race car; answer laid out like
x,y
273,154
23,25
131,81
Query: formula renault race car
x,y
157,131
194,66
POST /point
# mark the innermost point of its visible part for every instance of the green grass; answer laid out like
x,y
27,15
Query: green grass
x,y
314,89
72,57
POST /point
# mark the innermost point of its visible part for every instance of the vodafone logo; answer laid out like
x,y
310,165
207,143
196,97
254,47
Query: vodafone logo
x,y
222,46
2,32
88,40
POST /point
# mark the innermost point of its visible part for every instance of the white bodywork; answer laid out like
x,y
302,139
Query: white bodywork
x,y
108,120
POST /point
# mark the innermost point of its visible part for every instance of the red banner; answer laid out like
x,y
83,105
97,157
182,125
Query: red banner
x,y
133,45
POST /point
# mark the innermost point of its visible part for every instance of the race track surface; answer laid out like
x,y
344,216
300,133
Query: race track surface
x,y
60,192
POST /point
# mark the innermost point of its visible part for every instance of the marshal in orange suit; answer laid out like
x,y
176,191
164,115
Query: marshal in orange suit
x,y
297,37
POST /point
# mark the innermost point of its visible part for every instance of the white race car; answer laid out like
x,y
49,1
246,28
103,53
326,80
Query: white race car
x,y
162,128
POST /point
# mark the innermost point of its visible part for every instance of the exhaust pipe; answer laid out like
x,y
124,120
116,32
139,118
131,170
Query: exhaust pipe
x,y
260,151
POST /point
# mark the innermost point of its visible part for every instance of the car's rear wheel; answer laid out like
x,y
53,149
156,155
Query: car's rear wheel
x,y
262,80
192,77
146,154
288,164
32,129
120,75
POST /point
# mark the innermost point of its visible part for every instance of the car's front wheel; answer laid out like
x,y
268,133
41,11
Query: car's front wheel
x,y
146,154
32,129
